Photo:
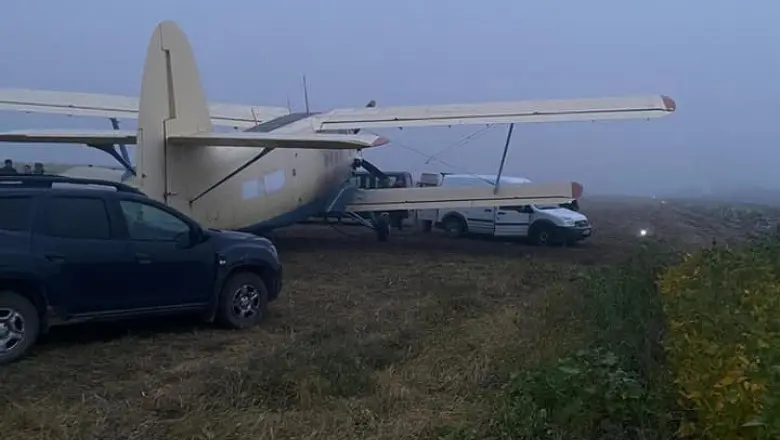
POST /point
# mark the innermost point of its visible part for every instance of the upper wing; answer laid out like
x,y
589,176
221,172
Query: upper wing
x,y
496,113
443,197
239,139
115,106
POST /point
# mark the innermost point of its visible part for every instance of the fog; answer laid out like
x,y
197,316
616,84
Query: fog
x,y
719,60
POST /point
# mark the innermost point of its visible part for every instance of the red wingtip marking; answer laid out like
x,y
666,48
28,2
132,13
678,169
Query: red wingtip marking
x,y
576,190
669,103
380,141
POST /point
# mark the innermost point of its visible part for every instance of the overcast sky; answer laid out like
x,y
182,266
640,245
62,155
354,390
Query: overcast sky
x,y
720,60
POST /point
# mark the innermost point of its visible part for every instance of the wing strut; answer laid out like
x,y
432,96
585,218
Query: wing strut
x,y
130,171
246,165
497,186
121,156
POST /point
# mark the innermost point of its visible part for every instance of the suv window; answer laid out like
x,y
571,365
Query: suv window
x,y
15,213
150,223
77,217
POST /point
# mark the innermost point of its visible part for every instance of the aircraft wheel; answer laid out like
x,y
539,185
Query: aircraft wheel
x,y
382,227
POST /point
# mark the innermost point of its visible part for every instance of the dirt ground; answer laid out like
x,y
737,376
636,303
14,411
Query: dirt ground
x,y
367,341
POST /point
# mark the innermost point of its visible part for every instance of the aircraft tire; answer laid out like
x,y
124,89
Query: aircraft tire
x,y
382,228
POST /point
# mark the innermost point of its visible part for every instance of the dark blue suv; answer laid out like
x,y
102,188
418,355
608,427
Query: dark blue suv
x,y
73,250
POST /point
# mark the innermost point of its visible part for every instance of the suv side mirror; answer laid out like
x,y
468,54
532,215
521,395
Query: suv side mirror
x,y
196,235
189,239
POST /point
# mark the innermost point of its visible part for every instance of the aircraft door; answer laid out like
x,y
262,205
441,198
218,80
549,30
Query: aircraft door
x,y
512,221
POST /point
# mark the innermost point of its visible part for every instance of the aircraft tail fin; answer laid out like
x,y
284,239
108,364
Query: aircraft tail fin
x,y
172,103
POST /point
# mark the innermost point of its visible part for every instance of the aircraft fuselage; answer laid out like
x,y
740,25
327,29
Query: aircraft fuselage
x,y
266,190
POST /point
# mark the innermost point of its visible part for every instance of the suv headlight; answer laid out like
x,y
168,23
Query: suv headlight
x,y
568,222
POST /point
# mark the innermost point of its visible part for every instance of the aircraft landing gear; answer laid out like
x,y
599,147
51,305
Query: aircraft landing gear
x,y
381,224
378,221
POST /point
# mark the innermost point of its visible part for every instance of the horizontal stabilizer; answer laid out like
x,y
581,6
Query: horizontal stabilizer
x,y
496,113
271,140
88,137
117,106
463,197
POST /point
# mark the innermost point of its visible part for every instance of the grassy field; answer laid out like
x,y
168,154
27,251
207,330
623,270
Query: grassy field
x,y
416,338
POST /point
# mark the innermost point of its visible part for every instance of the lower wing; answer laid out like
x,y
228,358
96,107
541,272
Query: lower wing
x,y
239,139
441,197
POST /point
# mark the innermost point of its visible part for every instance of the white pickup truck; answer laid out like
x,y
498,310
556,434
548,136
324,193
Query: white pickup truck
x,y
541,224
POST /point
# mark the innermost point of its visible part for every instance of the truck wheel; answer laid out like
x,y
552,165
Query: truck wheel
x,y
455,227
542,235
242,301
19,326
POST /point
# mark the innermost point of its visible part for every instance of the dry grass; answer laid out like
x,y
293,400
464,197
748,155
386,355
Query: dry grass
x,y
367,341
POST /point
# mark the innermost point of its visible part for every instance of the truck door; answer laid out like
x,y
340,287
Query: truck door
x,y
512,221
480,220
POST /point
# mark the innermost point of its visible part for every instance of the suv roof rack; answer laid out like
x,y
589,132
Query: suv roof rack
x,y
48,181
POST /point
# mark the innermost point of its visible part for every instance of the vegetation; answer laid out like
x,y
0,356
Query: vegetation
x,y
615,386
723,307
677,349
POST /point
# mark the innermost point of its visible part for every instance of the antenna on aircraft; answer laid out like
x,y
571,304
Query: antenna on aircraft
x,y
306,95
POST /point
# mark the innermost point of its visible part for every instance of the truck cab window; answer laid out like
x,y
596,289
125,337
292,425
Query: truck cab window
x,y
519,208
77,217
150,223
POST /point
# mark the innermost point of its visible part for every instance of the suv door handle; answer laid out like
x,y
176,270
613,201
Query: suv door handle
x,y
55,258
143,258
502,213
488,210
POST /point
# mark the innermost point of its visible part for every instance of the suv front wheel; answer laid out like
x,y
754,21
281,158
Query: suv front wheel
x,y
19,326
242,301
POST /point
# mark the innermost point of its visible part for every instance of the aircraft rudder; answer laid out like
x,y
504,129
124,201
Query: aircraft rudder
x,y
172,101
